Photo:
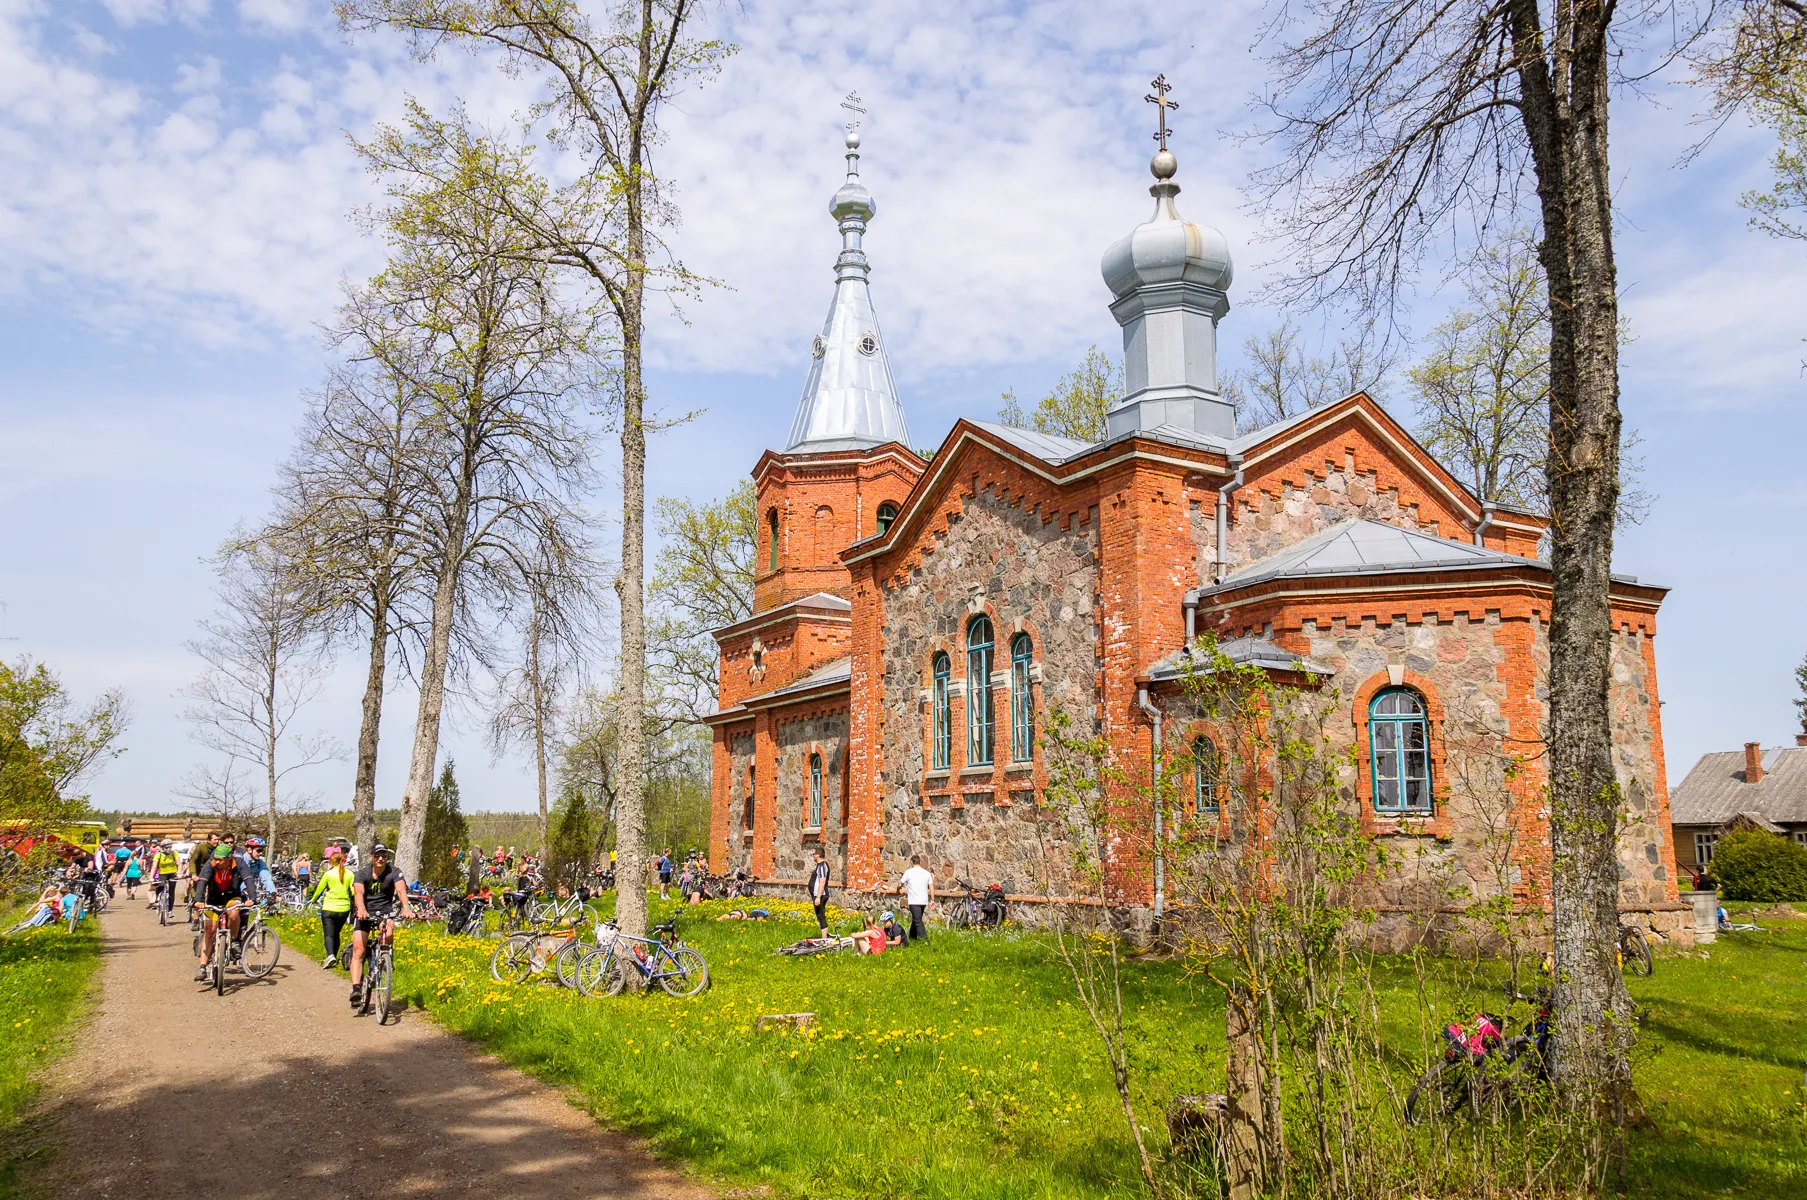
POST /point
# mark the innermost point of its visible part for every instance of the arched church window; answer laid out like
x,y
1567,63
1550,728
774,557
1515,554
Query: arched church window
x,y
887,513
944,732
979,716
749,814
1399,752
815,791
1204,777
1022,701
772,518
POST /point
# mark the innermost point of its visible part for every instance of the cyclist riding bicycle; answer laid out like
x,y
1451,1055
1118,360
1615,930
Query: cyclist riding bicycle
x,y
376,892
224,883
163,874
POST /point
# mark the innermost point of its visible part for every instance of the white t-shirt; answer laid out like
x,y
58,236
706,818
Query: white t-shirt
x,y
917,881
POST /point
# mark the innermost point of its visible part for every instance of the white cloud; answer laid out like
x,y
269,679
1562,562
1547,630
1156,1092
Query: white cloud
x,y
156,12
279,16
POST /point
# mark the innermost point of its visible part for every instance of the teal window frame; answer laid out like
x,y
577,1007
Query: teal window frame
x,y
981,719
1399,753
1206,774
943,750
1022,699
815,791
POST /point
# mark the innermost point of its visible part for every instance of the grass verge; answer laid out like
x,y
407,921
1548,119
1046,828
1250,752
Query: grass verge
x,y
44,979
961,1070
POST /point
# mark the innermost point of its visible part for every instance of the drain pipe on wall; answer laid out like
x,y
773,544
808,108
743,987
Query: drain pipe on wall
x,y
1153,713
1223,517
1488,508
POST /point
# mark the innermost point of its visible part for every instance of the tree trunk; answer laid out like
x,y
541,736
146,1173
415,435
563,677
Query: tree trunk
x,y
275,650
1247,1112
539,724
426,728
1568,134
363,788
630,716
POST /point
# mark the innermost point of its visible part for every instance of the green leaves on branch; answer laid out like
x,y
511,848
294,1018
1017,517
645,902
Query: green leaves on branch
x,y
50,745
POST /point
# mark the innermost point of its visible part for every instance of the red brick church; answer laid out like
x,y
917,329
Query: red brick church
x,y
914,619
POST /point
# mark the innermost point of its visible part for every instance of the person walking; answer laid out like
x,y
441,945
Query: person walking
x,y
818,890
334,893
918,886
134,871
665,875
303,870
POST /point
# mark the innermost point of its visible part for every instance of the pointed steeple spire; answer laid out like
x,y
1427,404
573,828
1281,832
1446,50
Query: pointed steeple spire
x,y
850,401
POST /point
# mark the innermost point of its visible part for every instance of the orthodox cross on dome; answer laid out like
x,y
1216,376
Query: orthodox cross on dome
x,y
1162,87
852,105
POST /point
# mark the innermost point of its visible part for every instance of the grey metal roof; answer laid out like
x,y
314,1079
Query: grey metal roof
x,y
1242,651
850,400
1714,791
1045,446
838,671
1363,547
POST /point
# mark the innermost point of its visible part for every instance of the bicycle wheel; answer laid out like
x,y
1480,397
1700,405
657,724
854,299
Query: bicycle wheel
x,y
260,952
1634,951
684,973
383,985
220,940
1439,1092
513,960
564,963
75,915
595,974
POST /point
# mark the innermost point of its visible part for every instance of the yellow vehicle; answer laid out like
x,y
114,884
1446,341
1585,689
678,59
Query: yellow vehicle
x,y
20,837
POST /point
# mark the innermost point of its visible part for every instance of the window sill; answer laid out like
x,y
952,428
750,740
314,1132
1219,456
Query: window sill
x,y
980,769
1018,767
938,775
1419,825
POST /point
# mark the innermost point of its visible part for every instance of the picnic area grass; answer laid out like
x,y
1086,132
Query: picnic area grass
x,y
962,1069
44,978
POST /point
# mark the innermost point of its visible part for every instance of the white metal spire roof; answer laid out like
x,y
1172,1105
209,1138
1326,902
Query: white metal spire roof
x,y
850,401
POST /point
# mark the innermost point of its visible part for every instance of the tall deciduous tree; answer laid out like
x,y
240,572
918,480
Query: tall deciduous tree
x,y
1399,121
263,666
608,74
466,316
349,503
702,580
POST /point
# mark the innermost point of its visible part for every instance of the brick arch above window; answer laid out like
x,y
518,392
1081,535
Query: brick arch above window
x,y
1438,824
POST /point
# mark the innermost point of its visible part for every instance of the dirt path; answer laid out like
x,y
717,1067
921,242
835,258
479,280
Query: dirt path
x,y
276,1090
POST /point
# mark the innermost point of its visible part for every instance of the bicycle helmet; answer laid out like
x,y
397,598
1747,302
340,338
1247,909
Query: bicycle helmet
x,y
254,841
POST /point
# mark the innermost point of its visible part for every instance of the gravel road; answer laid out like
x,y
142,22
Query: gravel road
x,y
276,1090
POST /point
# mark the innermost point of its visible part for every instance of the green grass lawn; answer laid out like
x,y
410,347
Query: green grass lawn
x,y
44,977
961,1069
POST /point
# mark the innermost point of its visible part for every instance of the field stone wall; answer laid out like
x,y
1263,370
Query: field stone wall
x,y
826,733
740,847
999,557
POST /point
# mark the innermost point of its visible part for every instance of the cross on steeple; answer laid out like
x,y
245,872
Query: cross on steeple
x,y
852,105
1161,87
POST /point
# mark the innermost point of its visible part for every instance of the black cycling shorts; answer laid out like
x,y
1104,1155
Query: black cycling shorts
x,y
369,924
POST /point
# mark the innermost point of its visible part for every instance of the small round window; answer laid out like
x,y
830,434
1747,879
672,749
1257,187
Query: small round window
x,y
819,347
868,343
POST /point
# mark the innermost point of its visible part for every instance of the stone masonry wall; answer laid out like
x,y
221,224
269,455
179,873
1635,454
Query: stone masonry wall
x,y
739,845
823,733
1029,571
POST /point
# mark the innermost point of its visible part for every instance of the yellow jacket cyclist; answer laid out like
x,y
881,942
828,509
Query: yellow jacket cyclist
x,y
334,893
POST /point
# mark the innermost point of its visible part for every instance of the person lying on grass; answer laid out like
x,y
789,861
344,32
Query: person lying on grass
x,y
745,914
49,908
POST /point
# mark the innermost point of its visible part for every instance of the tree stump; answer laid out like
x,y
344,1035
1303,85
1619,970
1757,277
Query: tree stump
x,y
1195,1124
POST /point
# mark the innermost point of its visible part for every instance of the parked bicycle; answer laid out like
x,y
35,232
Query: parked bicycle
x,y
1484,1068
521,956
1634,951
663,959
978,909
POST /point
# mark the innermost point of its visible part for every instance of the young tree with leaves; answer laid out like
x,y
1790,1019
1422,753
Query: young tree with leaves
x,y
50,746
1076,405
263,666
446,830
607,77
1400,122
463,314
702,580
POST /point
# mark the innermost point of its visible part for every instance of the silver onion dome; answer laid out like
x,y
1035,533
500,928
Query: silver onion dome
x,y
1166,248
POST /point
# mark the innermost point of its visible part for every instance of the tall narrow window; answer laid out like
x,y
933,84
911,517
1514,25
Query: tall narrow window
x,y
1399,749
815,791
944,722
979,717
749,800
1204,777
773,539
1022,702
887,513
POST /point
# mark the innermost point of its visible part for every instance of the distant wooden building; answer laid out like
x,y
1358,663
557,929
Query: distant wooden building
x,y
1729,789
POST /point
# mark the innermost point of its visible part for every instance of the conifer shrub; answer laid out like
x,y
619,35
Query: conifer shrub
x,y
1754,865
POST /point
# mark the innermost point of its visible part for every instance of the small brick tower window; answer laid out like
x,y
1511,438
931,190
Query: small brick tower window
x,y
749,814
887,513
1399,752
772,523
980,721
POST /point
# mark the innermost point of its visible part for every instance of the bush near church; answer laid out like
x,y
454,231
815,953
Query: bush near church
x,y
1754,865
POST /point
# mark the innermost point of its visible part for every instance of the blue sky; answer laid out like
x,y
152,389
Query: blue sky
x,y
175,183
